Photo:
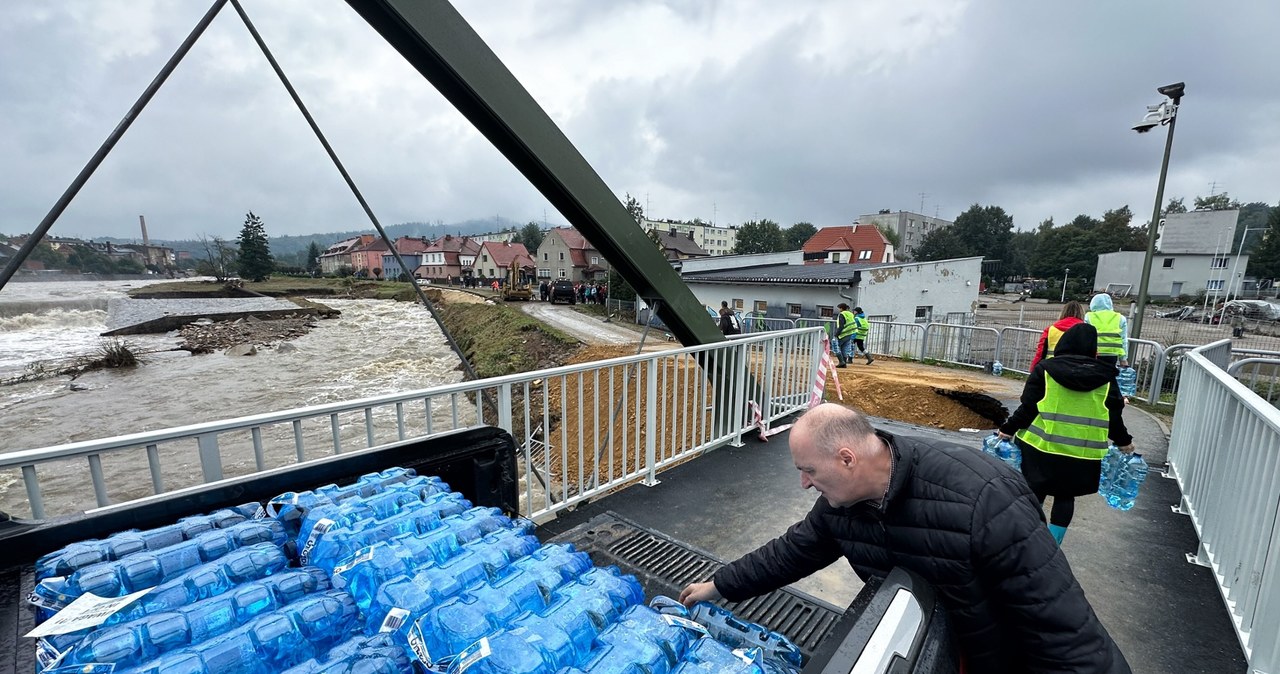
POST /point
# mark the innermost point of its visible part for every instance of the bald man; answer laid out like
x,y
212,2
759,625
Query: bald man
x,y
962,520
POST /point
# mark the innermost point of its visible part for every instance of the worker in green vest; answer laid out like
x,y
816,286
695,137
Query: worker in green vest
x,y
851,334
1113,331
1071,407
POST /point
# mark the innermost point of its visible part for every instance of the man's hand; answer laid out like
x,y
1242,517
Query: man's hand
x,y
1127,449
1003,436
697,592
1123,363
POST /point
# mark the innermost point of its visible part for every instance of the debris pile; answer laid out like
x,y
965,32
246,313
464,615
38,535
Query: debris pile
x,y
206,336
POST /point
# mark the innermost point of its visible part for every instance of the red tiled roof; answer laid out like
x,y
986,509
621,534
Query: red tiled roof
x,y
411,245
454,244
503,253
849,238
573,239
376,244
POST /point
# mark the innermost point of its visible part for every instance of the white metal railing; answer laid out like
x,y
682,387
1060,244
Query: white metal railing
x,y
756,324
960,344
1224,453
1018,348
583,429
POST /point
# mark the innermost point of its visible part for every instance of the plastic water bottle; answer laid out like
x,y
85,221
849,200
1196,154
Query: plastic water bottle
x,y
623,646
997,369
376,654
78,555
137,641
733,632
376,506
607,584
1127,379
291,507
147,569
708,656
328,545
447,629
1009,453
207,580
1133,474
269,643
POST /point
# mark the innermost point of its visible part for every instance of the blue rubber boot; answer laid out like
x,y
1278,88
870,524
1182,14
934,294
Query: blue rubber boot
x,y
1057,532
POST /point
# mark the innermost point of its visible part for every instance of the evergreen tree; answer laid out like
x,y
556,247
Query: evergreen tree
x,y
313,257
531,236
798,234
1265,261
760,236
254,262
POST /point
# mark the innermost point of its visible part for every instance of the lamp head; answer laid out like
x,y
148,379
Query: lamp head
x,y
1174,91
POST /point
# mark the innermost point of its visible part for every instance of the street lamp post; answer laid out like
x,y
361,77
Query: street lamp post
x,y
1065,274
1165,113
1236,266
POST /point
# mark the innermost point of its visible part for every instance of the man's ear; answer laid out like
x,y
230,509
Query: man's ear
x,y
847,456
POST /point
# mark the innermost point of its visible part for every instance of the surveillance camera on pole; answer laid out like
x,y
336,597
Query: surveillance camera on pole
x,y
1164,114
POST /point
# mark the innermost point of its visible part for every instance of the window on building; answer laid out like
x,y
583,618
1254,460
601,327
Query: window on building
x,y
924,314
562,257
826,311
864,255
1215,284
564,274
544,273
793,309
595,260
1168,263
835,257
762,306
484,258
546,256
737,304
1219,263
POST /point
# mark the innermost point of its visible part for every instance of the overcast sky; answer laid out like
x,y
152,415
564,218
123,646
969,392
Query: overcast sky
x,y
726,111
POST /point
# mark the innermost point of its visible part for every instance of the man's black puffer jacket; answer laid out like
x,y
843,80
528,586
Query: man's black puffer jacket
x,y
970,526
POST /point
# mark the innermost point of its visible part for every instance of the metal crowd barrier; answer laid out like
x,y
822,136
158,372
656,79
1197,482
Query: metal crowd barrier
x,y
896,340
583,429
757,324
1224,452
965,345
1018,348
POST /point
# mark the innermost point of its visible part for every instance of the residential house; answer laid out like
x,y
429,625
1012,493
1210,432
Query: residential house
x,y
8,252
337,256
447,258
160,257
566,254
495,257
678,245
366,260
714,240
856,244
1193,257
411,249
911,228
783,285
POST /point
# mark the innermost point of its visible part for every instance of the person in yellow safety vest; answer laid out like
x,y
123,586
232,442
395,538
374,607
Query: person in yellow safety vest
x,y
851,334
1071,406
1072,315
1113,331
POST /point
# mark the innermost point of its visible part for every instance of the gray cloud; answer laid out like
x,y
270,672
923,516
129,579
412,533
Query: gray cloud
x,y
812,111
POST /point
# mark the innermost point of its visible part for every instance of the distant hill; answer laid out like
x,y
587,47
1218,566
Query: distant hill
x,y
293,244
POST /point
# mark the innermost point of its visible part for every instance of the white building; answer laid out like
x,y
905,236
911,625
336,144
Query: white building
x,y
715,240
911,228
780,285
1193,256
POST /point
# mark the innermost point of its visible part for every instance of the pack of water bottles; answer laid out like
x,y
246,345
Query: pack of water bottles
x,y
1127,380
1122,476
1005,450
372,577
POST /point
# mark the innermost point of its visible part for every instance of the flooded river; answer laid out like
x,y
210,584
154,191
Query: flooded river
x,y
375,347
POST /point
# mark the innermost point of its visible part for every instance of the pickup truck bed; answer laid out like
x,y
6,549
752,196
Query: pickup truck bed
x,y
481,464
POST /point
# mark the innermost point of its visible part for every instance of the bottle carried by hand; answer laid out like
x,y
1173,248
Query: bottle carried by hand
x,y
1127,379
1005,450
1122,477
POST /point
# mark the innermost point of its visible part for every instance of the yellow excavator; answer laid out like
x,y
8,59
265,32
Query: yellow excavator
x,y
514,289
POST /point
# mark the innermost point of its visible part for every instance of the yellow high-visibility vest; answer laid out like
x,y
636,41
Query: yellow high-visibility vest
x,y
1070,423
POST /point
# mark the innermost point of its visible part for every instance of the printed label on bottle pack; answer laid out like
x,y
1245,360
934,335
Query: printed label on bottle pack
x,y
316,532
472,654
362,555
395,618
419,644
260,513
45,597
273,506
47,656
684,622
95,668
88,610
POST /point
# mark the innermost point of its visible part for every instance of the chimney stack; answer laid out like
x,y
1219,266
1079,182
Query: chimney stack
x,y
143,221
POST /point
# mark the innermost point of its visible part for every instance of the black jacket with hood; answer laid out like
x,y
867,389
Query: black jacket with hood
x,y
970,526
